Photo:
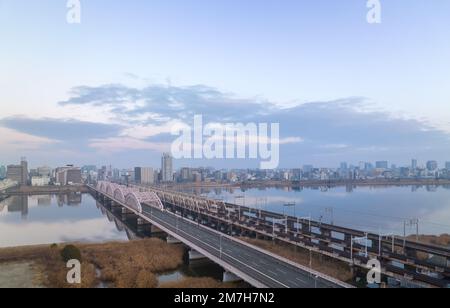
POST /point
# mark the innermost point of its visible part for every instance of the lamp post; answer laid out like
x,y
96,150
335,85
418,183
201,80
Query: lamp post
x,y
410,223
330,211
242,197
358,239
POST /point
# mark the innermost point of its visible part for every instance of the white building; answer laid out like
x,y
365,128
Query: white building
x,y
40,181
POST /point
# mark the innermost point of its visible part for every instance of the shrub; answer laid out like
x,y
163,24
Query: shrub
x,y
70,252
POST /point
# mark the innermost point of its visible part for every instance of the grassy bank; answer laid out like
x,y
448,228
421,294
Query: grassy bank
x,y
133,264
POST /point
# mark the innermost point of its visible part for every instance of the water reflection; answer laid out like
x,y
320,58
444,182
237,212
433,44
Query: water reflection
x,y
369,208
46,219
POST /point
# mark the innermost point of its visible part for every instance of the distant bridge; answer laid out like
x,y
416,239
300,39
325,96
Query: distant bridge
x,y
254,265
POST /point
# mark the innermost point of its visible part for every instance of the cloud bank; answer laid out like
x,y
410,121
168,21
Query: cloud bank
x,y
140,121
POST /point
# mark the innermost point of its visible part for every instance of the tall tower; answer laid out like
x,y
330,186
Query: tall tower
x,y
24,165
167,167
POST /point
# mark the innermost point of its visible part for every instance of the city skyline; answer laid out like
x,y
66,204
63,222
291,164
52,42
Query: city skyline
x,y
381,94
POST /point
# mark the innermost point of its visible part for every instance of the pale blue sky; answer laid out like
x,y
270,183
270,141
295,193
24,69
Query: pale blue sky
x,y
281,53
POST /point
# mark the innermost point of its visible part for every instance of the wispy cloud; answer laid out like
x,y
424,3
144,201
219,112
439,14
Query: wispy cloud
x,y
142,119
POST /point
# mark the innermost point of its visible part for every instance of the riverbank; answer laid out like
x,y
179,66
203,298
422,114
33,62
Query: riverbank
x,y
134,264
45,190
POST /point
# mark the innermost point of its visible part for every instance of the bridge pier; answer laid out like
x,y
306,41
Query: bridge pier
x,y
230,277
194,255
172,240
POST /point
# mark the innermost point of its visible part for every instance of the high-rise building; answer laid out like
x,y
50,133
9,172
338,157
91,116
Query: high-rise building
x,y
18,173
432,165
24,164
368,167
2,172
447,165
44,171
68,175
167,167
186,174
344,166
137,175
414,164
382,165
144,175
308,168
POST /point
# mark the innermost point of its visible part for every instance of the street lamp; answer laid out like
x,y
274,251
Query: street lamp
x,y
358,239
243,198
309,218
380,239
275,221
410,223
330,211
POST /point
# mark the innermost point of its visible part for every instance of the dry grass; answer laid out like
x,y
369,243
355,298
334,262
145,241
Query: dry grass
x,y
134,264
323,264
124,264
441,240
195,283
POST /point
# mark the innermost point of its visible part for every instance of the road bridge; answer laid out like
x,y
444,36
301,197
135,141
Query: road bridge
x,y
252,264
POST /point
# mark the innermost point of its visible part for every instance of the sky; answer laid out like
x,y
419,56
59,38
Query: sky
x,y
110,89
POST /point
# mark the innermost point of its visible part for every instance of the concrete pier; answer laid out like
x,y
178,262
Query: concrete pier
x,y
230,277
194,255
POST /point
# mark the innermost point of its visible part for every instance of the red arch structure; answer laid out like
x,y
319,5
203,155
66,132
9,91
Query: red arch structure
x,y
132,197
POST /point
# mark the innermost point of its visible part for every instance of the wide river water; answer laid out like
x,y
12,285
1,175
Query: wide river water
x,y
46,219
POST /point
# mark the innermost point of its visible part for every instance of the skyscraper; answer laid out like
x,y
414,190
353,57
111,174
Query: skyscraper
x,y
382,165
447,165
137,175
432,165
144,175
414,164
167,167
147,176
18,173
2,172
24,164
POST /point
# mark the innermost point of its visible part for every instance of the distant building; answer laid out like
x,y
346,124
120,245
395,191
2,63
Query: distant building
x,y
44,171
18,173
432,165
382,165
308,168
167,167
144,175
2,172
137,175
40,181
24,165
368,167
68,175
414,164
447,165
186,175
